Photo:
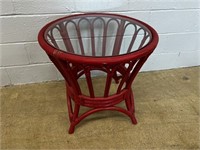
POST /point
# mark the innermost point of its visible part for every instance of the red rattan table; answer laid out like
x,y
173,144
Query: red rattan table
x,y
114,44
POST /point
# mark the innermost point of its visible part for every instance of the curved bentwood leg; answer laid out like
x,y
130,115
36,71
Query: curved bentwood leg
x,y
130,105
72,112
74,117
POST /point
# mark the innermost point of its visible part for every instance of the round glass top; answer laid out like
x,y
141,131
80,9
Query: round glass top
x,y
97,35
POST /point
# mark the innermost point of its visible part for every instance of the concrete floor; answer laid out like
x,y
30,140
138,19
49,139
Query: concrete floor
x,y
34,116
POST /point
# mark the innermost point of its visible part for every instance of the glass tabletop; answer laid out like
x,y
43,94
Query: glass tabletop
x,y
98,35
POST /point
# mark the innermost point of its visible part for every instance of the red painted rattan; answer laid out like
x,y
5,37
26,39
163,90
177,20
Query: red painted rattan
x,y
119,64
